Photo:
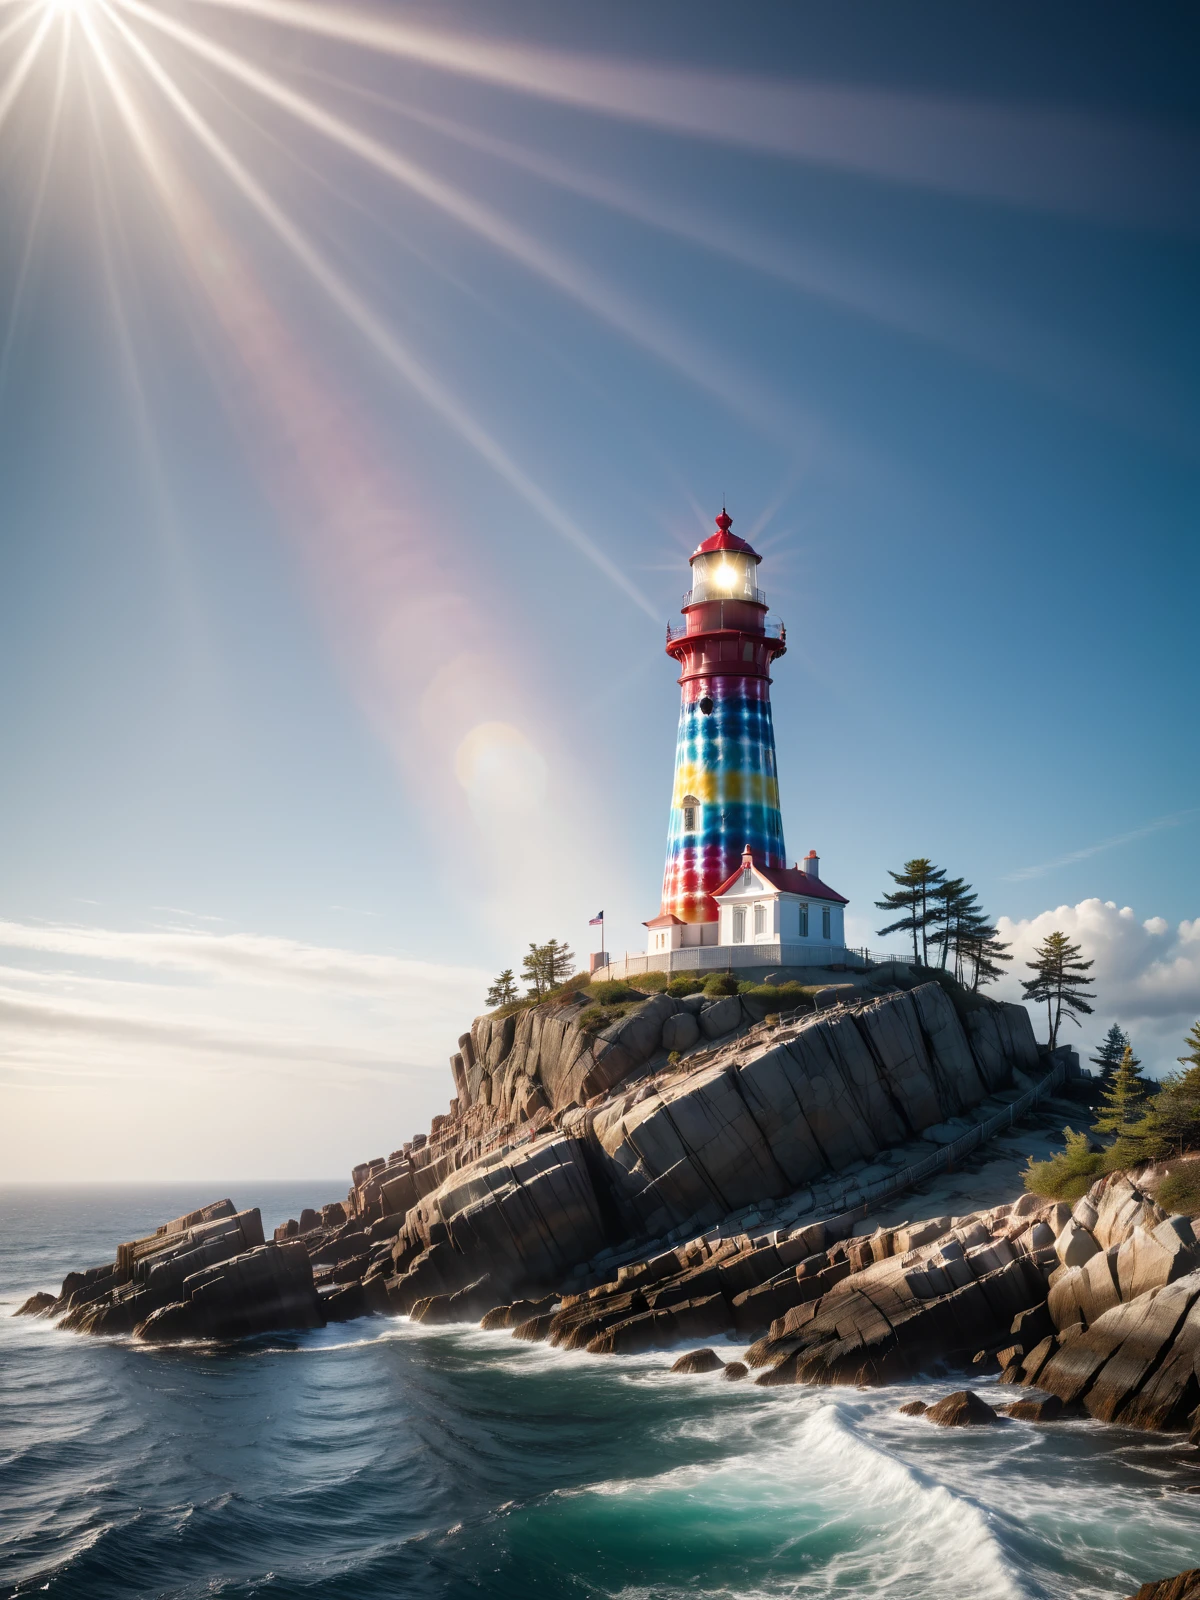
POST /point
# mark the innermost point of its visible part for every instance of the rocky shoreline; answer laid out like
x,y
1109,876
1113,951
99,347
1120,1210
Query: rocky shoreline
x,y
702,1169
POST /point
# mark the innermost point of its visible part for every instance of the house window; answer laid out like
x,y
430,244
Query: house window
x,y
804,922
760,919
747,879
739,924
825,921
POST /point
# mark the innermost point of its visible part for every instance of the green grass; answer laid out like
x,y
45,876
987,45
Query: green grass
x,y
611,991
679,988
1180,1189
788,996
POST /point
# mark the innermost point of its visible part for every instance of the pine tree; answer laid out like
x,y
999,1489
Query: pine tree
x,y
504,991
917,883
533,971
560,962
985,950
1059,979
1170,1123
954,908
1108,1054
546,966
1124,1099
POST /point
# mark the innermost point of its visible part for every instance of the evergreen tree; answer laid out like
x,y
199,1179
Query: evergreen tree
x,y
1060,980
504,991
985,950
560,962
1124,1099
916,884
1108,1054
953,909
546,966
1172,1122
533,970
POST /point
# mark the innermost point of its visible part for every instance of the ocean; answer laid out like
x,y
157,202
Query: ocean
x,y
376,1458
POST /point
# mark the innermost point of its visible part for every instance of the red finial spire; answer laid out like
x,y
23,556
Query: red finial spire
x,y
724,521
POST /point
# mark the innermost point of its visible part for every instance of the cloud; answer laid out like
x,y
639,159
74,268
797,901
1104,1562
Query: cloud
x,y
244,958
147,1054
1146,972
1172,821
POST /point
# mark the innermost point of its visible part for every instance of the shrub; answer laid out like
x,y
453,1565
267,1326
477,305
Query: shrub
x,y
675,1058
1180,1189
652,982
679,988
720,983
593,1019
1068,1175
611,991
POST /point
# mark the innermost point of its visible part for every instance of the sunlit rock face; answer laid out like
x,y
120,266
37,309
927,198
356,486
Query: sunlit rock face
x,y
635,1146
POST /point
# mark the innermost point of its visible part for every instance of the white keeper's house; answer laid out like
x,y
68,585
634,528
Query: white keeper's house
x,y
759,907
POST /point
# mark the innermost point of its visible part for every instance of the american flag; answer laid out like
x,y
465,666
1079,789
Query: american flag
x,y
596,920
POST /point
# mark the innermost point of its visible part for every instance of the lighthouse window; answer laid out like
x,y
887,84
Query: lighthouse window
x,y
739,925
825,919
706,706
760,919
804,922
689,819
747,652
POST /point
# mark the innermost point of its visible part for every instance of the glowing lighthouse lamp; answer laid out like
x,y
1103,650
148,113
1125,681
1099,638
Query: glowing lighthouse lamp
x,y
727,887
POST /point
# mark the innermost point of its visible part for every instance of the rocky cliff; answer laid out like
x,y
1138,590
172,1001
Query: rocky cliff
x,y
670,1119
572,1137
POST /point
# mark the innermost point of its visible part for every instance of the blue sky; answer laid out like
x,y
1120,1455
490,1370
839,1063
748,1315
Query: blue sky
x,y
361,399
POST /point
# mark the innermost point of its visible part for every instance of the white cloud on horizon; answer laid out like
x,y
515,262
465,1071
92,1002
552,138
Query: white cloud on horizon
x,y
1146,972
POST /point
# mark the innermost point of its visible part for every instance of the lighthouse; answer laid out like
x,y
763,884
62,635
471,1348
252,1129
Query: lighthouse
x,y
726,880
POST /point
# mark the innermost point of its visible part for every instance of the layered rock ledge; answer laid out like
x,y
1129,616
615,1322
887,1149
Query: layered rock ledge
x,y
205,1275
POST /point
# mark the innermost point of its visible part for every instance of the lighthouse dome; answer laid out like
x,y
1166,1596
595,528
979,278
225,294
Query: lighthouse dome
x,y
724,540
725,567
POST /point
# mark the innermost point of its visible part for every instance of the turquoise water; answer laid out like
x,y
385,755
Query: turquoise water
x,y
379,1459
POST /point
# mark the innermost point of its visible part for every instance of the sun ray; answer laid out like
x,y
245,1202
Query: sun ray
x,y
16,305
12,85
371,327
385,586
712,372
1021,156
188,625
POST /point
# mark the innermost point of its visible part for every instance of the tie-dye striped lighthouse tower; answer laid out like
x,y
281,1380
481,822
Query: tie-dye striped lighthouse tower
x,y
726,794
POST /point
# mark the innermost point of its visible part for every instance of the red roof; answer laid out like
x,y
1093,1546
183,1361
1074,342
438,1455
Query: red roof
x,y
788,880
724,540
667,919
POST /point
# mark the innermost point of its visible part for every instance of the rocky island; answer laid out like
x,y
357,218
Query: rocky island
x,y
703,1167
